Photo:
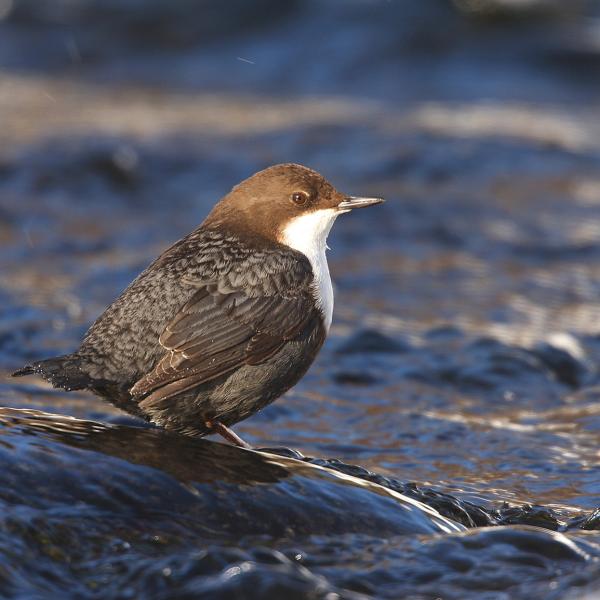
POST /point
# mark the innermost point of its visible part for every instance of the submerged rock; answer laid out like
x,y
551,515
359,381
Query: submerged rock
x,y
137,511
371,341
80,494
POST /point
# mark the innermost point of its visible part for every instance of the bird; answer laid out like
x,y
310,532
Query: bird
x,y
224,321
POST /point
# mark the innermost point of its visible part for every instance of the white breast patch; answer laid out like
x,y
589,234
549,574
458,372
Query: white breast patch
x,y
308,234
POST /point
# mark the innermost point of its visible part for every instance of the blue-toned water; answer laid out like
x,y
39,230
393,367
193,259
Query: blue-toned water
x,y
445,443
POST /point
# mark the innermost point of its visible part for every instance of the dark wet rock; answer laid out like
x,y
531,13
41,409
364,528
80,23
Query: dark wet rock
x,y
209,466
164,512
225,573
173,509
445,333
463,512
504,561
94,166
525,539
116,168
371,341
512,362
480,366
499,562
355,378
538,516
566,368
589,522
467,513
174,515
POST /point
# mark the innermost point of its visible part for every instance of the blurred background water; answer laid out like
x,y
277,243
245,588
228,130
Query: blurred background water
x,y
454,407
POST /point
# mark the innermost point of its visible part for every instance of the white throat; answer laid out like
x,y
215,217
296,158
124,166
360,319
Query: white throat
x,y
308,234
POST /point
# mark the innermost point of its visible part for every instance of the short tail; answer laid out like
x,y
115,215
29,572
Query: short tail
x,y
62,372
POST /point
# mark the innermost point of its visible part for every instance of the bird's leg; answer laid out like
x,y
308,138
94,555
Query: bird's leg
x,y
228,434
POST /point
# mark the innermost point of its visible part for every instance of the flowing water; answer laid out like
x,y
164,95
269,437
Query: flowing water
x,y
445,442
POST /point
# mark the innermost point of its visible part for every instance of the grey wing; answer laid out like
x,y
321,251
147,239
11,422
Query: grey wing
x,y
243,318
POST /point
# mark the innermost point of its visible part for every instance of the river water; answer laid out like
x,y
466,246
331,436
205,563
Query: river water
x,y
445,442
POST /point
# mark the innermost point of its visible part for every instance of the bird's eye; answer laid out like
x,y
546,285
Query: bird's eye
x,y
299,198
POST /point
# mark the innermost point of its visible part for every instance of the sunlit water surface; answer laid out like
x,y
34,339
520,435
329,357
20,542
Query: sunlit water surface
x,y
444,444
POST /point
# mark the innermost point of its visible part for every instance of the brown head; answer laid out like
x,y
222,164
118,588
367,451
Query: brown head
x,y
284,201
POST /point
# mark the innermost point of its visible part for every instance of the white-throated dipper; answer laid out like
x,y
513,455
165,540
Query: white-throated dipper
x,y
224,321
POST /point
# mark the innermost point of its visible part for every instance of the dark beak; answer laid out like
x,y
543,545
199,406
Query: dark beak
x,y
352,202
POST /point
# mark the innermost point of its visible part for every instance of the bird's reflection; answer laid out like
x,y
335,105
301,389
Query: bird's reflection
x,y
186,458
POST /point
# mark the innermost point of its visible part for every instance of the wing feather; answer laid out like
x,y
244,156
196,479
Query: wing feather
x,y
235,317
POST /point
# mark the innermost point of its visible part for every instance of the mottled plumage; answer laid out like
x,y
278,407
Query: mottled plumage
x,y
224,321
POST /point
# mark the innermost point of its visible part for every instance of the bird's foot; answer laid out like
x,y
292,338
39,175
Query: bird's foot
x,y
228,434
